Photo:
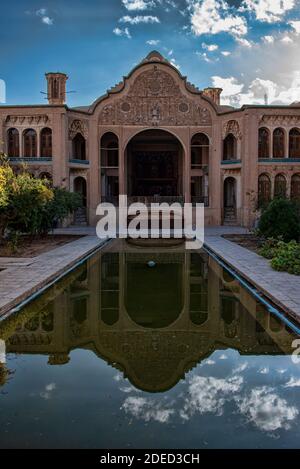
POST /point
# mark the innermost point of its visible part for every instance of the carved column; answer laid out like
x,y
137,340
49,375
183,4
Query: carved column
x,y
286,143
92,138
271,152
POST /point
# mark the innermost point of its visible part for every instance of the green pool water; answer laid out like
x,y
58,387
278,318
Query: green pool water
x,y
123,355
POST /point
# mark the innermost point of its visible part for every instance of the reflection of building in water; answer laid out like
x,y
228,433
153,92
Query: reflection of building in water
x,y
152,324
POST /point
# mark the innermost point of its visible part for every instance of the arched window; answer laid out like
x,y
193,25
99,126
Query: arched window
x,y
78,147
278,143
30,143
109,151
199,151
46,143
13,149
294,144
263,143
230,148
295,187
264,190
280,186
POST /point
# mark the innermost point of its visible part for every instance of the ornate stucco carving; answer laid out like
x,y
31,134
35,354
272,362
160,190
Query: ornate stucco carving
x,y
281,120
232,127
27,120
78,126
155,98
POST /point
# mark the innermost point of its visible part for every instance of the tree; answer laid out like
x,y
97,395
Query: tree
x,y
280,220
29,205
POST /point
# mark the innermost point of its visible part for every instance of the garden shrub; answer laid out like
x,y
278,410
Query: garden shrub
x,y
29,205
269,248
285,257
280,220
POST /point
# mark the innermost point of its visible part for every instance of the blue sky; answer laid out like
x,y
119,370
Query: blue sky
x,y
248,47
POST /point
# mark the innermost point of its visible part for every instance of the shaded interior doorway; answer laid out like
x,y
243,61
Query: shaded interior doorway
x,y
154,169
80,216
230,208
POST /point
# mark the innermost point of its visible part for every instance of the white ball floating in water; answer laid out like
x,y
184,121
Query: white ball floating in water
x,y
151,264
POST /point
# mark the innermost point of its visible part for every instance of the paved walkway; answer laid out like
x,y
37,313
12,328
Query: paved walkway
x,y
281,287
18,281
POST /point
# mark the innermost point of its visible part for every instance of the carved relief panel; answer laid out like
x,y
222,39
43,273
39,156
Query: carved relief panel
x,y
155,99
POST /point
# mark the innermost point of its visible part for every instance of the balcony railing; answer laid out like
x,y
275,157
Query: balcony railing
x,y
231,161
25,159
76,161
279,160
146,200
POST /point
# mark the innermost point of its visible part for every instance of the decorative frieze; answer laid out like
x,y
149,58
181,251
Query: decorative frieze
x,y
27,121
281,120
155,99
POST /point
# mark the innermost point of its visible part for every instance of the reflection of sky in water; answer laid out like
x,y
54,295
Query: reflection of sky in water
x,y
60,386
261,397
226,401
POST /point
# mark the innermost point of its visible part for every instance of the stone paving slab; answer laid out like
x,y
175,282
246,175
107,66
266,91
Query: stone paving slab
x,y
280,287
18,282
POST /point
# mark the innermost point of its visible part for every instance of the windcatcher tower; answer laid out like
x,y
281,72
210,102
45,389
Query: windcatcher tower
x,y
56,90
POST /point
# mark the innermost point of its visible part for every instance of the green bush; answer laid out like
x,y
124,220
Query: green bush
x,y
269,248
285,257
58,208
280,220
29,205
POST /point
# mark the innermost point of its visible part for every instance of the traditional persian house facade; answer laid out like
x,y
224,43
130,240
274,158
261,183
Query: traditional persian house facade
x,y
156,137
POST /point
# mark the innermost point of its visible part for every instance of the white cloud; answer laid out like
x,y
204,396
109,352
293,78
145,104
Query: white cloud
x,y
269,39
267,410
122,32
49,388
132,5
293,383
296,26
209,394
47,20
174,63
240,368
213,17
153,42
42,13
234,93
286,40
264,371
204,56
210,47
269,11
223,357
139,19
147,409
230,86
244,42
210,362
226,53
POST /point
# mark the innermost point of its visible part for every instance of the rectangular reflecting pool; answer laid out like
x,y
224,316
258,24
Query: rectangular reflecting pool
x,y
143,348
